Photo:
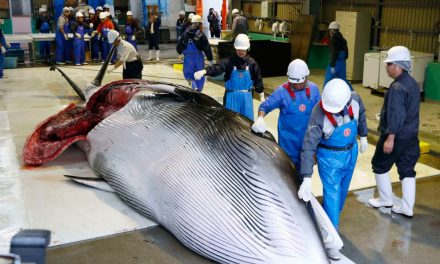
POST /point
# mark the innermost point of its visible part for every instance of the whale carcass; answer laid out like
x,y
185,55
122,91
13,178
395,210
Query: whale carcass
x,y
184,161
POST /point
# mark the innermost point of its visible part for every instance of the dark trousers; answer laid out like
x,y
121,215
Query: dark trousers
x,y
405,154
215,33
153,41
133,70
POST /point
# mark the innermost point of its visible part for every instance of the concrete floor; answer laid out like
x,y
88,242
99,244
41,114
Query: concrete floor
x,y
369,236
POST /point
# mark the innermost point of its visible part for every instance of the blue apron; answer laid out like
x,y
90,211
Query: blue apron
x,y
2,56
238,95
336,157
292,124
129,34
340,70
79,46
106,47
60,42
68,44
193,61
45,45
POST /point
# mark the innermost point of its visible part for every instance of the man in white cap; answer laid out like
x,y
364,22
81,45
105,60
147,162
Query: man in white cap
x,y
399,127
61,36
331,135
93,22
103,28
78,28
152,30
43,25
242,73
240,23
127,56
338,55
295,99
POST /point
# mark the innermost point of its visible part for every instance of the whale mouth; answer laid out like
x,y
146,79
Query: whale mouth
x,y
55,134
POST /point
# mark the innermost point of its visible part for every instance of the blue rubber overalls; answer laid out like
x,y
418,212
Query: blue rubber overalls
x,y
129,34
79,46
340,68
45,45
238,95
60,41
2,56
106,47
193,61
336,157
292,124
68,44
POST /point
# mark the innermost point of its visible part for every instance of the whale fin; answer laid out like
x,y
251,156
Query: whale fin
x,y
94,182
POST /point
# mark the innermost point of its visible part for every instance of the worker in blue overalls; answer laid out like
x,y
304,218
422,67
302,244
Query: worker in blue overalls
x,y
42,25
68,44
4,46
333,126
78,39
241,74
193,43
93,23
61,36
295,99
338,55
131,29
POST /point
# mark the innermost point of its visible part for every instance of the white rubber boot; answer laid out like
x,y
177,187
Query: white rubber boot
x,y
385,192
157,55
408,198
150,55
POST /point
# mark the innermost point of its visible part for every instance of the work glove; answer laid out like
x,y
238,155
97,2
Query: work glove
x,y
333,70
3,49
91,25
78,35
66,37
93,34
305,190
259,126
133,38
8,45
111,69
262,98
364,145
199,74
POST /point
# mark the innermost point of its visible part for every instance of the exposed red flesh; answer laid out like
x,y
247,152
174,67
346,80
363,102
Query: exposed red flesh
x,y
55,134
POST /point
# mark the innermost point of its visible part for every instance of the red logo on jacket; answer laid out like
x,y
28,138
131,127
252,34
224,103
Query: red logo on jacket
x,y
302,107
347,132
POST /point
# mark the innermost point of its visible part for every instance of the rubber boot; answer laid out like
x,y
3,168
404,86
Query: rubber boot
x,y
157,55
408,198
385,192
150,55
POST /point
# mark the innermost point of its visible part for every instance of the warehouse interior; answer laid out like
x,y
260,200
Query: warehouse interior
x,y
89,225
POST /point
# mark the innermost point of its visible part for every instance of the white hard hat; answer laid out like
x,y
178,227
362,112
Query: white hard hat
x,y
66,9
99,8
196,19
335,95
297,71
79,14
102,15
106,6
191,15
71,8
91,11
235,11
182,13
129,13
334,25
242,42
112,36
42,9
398,53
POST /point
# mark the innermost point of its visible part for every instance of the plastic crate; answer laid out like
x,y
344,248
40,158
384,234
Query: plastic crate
x,y
10,62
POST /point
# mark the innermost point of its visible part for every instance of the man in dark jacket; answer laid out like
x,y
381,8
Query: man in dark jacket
x,y
152,30
43,25
193,44
242,73
338,55
180,24
214,23
399,127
